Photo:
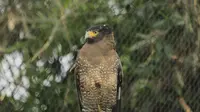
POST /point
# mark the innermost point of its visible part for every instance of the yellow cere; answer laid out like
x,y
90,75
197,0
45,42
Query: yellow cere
x,y
92,33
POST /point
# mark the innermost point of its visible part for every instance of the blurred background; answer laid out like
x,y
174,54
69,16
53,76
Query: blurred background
x,y
158,42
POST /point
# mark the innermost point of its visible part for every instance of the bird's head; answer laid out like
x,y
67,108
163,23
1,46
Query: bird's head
x,y
98,33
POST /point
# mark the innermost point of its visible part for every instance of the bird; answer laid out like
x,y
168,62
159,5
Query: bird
x,y
98,71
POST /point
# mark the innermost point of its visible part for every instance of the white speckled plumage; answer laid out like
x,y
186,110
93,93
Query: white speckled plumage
x,y
97,73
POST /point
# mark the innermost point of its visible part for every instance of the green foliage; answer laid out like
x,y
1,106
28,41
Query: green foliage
x,y
157,40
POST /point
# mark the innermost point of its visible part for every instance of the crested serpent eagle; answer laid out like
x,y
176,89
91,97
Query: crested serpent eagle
x,y
98,72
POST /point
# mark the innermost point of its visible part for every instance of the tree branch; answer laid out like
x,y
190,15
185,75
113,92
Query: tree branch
x,y
47,44
184,104
63,21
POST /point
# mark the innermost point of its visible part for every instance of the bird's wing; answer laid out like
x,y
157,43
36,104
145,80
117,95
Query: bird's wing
x,y
74,64
119,85
75,68
78,86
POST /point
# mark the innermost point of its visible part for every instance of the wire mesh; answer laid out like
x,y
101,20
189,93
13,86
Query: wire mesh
x,y
157,41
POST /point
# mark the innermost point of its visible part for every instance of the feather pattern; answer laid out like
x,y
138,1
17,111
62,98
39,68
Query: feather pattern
x,y
98,74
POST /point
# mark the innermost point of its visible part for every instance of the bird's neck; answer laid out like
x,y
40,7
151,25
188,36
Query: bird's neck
x,y
99,48
102,45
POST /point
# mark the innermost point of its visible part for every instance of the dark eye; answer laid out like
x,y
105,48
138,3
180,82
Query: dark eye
x,y
95,32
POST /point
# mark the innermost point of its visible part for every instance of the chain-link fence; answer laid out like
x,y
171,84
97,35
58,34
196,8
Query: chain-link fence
x,y
158,43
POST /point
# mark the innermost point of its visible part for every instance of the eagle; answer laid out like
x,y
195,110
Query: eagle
x,y
98,72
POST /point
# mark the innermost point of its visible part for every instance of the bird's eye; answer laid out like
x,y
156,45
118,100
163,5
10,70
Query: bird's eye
x,y
95,32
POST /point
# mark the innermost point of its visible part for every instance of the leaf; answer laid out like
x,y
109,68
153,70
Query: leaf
x,y
168,51
178,82
82,40
159,24
177,19
2,97
143,36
